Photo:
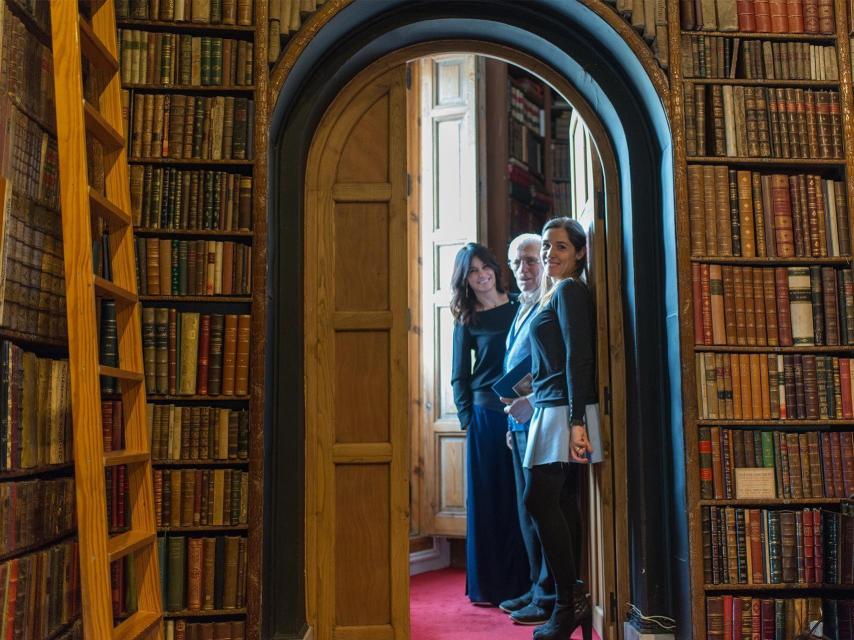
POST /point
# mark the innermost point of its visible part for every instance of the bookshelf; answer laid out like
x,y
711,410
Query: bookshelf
x,y
763,144
192,187
36,469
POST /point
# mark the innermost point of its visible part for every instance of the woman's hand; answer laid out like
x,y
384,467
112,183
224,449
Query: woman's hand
x,y
579,445
520,409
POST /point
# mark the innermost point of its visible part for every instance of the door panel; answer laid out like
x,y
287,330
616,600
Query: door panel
x,y
448,221
356,364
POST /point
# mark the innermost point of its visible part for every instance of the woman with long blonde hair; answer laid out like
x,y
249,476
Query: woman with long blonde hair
x,y
564,383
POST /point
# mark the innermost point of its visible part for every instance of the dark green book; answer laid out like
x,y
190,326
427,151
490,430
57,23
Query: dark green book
x,y
216,61
219,573
182,267
741,546
206,60
775,550
176,276
198,126
176,573
108,344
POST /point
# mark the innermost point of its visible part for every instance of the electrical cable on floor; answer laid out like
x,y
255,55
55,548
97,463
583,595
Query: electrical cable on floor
x,y
663,622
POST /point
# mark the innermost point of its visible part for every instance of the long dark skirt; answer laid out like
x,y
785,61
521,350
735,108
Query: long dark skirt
x,y
496,564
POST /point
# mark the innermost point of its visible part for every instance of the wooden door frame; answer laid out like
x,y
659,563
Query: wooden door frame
x,y
615,566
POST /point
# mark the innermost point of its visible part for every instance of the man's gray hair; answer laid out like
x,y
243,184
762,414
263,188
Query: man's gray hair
x,y
522,241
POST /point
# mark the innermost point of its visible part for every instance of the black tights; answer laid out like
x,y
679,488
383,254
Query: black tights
x,y
551,497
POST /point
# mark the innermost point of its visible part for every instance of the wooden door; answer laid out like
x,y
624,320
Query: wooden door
x,y
449,219
356,364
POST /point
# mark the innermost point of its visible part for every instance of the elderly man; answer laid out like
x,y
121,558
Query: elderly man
x,y
533,607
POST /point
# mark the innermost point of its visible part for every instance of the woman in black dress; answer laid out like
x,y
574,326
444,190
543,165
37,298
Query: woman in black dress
x,y
496,564
563,366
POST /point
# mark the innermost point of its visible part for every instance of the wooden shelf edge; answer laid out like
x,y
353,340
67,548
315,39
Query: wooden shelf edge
x,y
212,528
49,469
766,82
186,613
39,546
788,586
765,261
783,424
753,35
770,502
199,463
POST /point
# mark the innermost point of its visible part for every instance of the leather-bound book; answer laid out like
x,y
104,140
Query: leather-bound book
x,y
787,545
209,563
152,266
837,136
183,268
739,304
204,353
719,121
810,11
752,116
817,303
189,349
217,325
716,304
722,212
229,356
194,574
774,376
696,210
757,555
706,477
172,351
161,350
188,487
800,305
846,445
175,573
722,363
785,472
783,231
749,305
816,480
812,137
165,269
824,124
776,124
775,568
800,387
826,23
697,302
241,366
767,289
797,214
745,200
229,596
842,223
763,125
710,210
759,305
830,306
794,458
715,618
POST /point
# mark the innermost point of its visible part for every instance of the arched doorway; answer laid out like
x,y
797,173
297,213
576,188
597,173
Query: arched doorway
x,y
640,167
356,333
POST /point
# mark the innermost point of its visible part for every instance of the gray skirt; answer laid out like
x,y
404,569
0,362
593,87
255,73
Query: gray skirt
x,y
548,436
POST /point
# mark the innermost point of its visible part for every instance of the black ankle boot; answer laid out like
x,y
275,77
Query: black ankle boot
x,y
568,614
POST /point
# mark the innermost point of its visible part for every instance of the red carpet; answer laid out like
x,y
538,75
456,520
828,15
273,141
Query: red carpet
x,y
440,610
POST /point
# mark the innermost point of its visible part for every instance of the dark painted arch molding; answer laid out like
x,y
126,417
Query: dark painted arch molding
x,y
583,48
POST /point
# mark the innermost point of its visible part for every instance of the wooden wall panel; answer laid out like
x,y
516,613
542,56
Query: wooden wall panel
x,y
365,157
361,256
362,371
362,550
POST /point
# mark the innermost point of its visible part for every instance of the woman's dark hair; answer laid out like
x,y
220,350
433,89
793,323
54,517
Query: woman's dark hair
x,y
577,237
463,300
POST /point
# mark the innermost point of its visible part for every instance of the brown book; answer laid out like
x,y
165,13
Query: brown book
x,y
831,316
756,386
784,318
814,150
746,389
759,306
762,124
739,304
760,218
749,306
700,117
798,215
204,353
209,564
229,354
241,367
722,215
783,232
716,295
770,304
718,121
696,210
189,346
710,210
735,385
745,200
697,302
194,574
729,304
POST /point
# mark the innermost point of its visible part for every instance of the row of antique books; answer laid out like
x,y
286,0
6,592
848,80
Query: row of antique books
x,y
117,493
184,630
193,267
725,57
195,354
123,589
762,16
806,464
227,12
170,198
773,546
526,150
202,574
752,214
30,159
762,122
27,66
191,127
32,281
33,512
35,418
526,111
730,617
758,306
165,59
189,434
201,497
40,592
759,386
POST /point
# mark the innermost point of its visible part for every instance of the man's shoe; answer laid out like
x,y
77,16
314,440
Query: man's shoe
x,y
532,614
514,604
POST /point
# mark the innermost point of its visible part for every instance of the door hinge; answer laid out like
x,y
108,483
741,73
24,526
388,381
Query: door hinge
x,y
613,607
607,394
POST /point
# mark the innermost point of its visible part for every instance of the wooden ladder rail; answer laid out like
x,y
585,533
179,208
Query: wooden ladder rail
x,y
73,39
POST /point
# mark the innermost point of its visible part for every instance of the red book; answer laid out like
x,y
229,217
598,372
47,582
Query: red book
x,y
825,17
845,384
762,10
779,16
818,538
746,15
811,16
697,290
204,351
808,547
728,618
11,599
756,552
706,291
836,463
796,16
847,447
756,619
783,231
107,424
768,619
118,435
827,466
784,314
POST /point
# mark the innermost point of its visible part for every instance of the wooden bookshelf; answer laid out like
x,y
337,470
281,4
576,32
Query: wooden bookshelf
x,y
228,304
838,168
